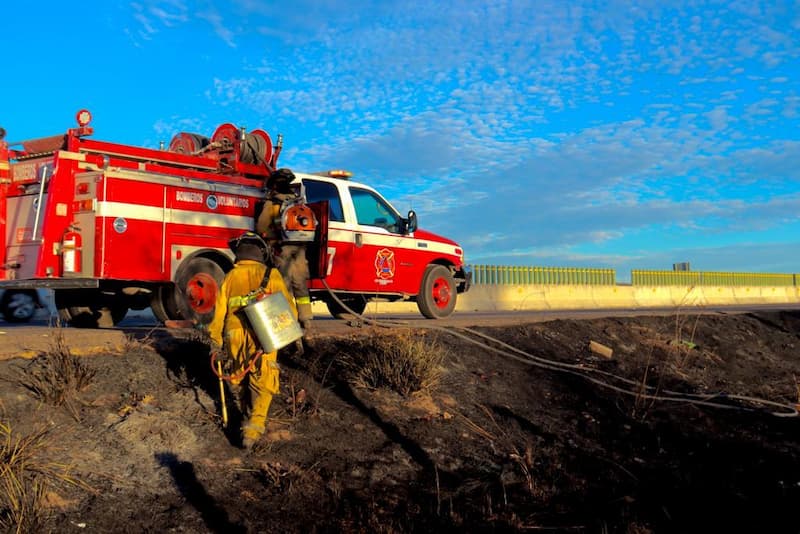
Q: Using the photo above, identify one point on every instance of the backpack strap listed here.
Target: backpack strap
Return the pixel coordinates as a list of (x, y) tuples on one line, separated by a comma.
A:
[(267, 274)]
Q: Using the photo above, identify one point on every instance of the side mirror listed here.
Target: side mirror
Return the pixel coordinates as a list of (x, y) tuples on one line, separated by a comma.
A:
[(411, 222)]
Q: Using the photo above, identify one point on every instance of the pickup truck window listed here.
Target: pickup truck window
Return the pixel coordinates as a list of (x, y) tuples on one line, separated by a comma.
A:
[(316, 191), (372, 210)]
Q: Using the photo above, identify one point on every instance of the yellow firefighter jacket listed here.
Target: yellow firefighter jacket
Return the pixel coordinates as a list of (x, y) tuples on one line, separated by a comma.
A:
[(245, 276)]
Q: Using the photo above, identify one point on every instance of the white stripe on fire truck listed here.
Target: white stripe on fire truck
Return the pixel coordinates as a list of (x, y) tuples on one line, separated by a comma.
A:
[(391, 241), (171, 215)]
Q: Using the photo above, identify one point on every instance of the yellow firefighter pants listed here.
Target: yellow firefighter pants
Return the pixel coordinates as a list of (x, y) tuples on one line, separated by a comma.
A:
[(262, 380)]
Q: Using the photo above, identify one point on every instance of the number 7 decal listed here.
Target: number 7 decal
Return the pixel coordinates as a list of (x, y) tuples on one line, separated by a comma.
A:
[(331, 254)]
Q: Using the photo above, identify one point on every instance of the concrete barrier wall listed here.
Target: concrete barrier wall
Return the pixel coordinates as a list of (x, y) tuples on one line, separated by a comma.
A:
[(552, 297), (483, 298)]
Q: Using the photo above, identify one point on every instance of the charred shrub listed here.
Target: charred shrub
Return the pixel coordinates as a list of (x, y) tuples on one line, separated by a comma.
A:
[(406, 362), (57, 376)]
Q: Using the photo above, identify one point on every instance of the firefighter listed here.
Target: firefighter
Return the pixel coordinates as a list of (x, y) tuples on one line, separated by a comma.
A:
[(290, 258), (234, 341)]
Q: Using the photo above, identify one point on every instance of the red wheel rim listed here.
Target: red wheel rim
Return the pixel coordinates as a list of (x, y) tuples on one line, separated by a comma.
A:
[(441, 292), (201, 293)]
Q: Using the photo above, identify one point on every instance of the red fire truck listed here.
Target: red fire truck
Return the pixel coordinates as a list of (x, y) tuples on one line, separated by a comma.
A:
[(112, 227)]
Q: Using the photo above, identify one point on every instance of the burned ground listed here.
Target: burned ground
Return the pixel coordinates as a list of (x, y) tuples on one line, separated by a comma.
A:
[(539, 433)]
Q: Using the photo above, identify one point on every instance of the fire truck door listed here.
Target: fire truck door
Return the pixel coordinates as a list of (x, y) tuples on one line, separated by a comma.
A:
[(339, 247), (22, 245), (317, 252), (83, 209), (378, 255)]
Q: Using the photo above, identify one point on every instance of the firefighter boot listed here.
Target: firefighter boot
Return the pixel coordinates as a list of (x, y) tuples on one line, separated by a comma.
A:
[(305, 341), (305, 324), (256, 424), (250, 436), (263, 384), (304, 313)]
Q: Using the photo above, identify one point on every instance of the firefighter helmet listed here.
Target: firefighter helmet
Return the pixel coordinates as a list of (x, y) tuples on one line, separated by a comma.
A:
[(250, 246), (280, 176)]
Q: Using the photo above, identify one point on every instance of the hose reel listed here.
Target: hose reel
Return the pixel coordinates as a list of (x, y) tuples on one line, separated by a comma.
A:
[(232, 147), (251, 148), (188, 143)]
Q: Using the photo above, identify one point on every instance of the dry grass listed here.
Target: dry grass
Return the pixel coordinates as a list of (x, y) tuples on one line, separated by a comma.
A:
[(25, 476), (643, 403), (405, 362), (684, 349), (133, 344), (285, 478), (22, 508), (299, 403), (670, 355), (522, 457), (515, 475), (57, 376)]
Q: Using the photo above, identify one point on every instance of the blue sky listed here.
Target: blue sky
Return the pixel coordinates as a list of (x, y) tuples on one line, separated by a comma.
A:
[(629, 135)]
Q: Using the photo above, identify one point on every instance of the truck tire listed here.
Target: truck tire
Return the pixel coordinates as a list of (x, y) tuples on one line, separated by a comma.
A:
[(437, 293), (19, 306), (357, 303), (163, 303), (93, 316), (196, 286), (88, 309)]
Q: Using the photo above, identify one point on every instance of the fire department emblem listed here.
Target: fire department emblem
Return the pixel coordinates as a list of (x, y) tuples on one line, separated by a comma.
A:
[(384, 264)]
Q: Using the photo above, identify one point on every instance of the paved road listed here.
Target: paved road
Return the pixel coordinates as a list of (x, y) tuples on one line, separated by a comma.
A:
[(27, 340)]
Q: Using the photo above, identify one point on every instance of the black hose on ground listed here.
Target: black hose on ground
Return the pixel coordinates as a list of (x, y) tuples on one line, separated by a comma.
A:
[(642, 391)]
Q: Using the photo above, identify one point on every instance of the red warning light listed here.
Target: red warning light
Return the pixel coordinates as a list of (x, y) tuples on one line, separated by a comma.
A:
[(83, 117)]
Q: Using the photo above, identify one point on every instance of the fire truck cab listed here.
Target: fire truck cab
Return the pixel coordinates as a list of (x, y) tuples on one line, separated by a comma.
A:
[(111, 227), (372, 252)]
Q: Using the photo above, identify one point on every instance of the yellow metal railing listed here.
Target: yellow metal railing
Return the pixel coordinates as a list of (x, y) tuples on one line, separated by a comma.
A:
[(516, 275), (521, 275), (710, 278)]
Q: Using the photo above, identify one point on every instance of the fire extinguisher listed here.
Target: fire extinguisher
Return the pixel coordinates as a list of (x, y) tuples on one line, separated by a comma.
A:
[(71, 252)]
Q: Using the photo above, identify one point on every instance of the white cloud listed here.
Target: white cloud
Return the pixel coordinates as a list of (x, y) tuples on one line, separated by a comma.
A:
[(535, 125), (718, 118), (213, 17)]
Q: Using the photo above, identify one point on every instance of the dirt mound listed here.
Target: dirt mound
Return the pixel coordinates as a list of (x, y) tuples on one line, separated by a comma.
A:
[(536, 432)]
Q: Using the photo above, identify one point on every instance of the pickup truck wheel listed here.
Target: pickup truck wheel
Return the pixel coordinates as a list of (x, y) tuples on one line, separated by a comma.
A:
[(19, 306), (196, 286), (437, 293), (357, 303)]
